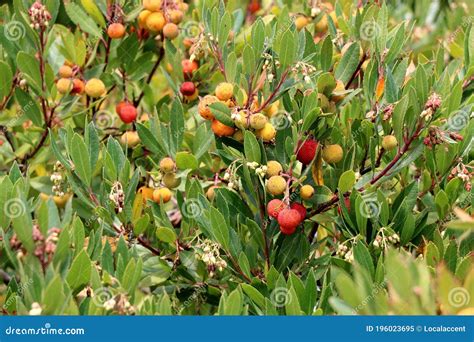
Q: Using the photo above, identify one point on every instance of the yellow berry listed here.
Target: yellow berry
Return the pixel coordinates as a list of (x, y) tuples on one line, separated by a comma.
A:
[(306, 192), (389, 142), (130, 138), (332, 153), (301, 22), (258, 121), (152, 5), (276, 185), (210, 193), (64, 85), (274, 168), (95, 88), (267, 133), (142, 17), (339, 88), (155, 21), (167, 165), (65, 71), (224, 91), (238, 135)]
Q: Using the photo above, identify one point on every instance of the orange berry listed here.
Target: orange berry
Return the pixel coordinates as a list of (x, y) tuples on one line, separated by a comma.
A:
[(155, 22), (203, 108), (170, 31), (220, 129), (65, 71), (116, 31), (162, 194)]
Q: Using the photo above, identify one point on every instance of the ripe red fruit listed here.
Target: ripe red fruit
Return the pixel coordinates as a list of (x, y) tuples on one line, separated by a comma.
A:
[(289, 219), (274, 207), (300, 208), (254, 6), (126, 111), (307, 151), (347, 203), (187, 88), (189, 67)]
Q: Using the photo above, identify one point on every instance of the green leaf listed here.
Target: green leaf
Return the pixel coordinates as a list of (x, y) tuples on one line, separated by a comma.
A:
[(80, 158), (254, 295), (251, 147), (81, 19), (6, 77), (94, 12), (219, 227), (17, 209), (347, 181), (222, 113), (186, 160), (166, 234), (29, 67), (80, 271), (149, 140), (233, 303), (442, 204), (29, 107), (326, 54), (363, 258), (287, 52), (348, 63)]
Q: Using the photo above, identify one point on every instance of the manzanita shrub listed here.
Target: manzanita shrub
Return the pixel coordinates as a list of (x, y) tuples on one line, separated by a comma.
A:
[(234, 158)]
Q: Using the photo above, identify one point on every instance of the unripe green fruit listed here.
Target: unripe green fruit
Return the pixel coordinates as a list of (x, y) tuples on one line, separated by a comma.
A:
[(242, 120), (276, 185), (170, 180), (258, 121), (167, 165), (332, 154), (389, 142), (306, 192), (274, 168)]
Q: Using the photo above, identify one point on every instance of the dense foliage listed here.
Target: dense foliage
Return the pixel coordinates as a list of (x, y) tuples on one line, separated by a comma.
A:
[(240, 157)]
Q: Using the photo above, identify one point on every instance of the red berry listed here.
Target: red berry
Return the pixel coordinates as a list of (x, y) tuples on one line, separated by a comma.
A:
[(347, 203), (289, 219), (126, 111), (254, 6), (187, 88), (300, 208), (274, 207), (307, 151)]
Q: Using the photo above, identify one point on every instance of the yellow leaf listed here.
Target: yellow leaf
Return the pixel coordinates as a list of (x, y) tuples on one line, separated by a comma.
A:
[(317, 170)]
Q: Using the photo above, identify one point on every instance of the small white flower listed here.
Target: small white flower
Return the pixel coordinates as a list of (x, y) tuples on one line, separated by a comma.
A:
[(35, 309), (226, 176), (110, 304)]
